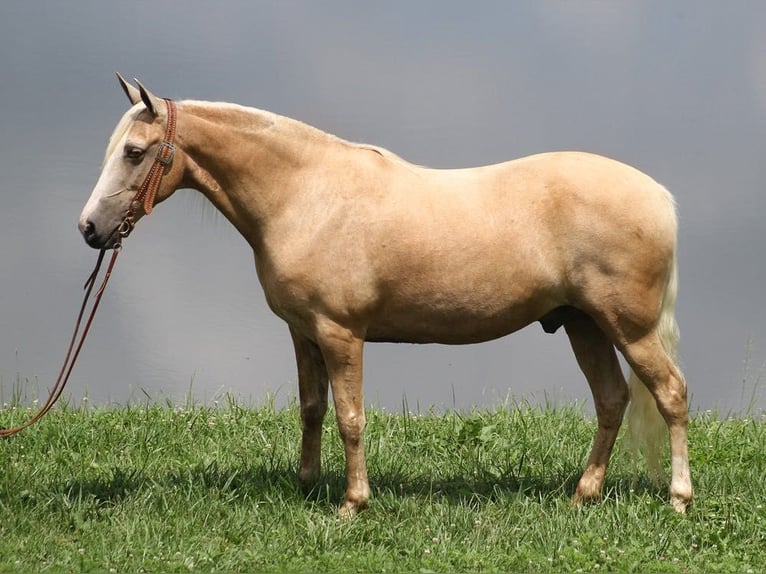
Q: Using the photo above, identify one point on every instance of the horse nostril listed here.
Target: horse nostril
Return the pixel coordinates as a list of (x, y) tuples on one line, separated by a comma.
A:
[(88, 229)]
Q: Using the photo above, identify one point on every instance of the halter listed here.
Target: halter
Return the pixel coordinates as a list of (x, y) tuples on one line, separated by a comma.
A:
[(146, 195), (148, 190)]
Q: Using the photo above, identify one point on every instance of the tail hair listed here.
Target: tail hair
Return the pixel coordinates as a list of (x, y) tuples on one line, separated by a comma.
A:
[(647, 430)]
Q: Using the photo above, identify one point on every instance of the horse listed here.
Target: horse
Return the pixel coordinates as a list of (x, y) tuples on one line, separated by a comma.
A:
[(353, 244)]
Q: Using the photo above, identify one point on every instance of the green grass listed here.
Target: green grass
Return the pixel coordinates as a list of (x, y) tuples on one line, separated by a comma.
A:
[(157, 488)]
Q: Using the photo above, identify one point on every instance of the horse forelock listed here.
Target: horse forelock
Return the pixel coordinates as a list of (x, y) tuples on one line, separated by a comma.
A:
[(121, 129)]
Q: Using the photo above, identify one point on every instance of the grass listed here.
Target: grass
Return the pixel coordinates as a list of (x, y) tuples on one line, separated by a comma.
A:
[(161, 488)]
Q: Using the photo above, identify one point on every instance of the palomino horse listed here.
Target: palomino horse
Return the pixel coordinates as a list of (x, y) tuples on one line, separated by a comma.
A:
[(354, 244)]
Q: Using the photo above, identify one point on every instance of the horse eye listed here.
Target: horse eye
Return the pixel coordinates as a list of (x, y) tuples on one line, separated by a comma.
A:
[(134, 152)]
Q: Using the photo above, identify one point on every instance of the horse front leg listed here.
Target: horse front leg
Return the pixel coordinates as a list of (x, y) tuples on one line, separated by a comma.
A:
[(342, 352), (312, 391)]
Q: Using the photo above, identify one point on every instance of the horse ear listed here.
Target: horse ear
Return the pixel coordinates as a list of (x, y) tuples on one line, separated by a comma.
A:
[(133, 94), (151, 101)]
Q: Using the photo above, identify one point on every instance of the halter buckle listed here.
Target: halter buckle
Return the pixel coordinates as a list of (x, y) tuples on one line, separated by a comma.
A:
[(165, 153)]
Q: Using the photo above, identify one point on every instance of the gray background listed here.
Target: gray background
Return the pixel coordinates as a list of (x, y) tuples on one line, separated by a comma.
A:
[(676, 89)]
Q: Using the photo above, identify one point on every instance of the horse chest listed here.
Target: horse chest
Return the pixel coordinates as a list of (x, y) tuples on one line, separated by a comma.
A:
[(293, 294)]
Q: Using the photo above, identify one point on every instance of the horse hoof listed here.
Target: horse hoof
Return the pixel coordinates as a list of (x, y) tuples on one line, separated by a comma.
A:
[(348, 511), (679, 505), (578, 500), (351, 508)]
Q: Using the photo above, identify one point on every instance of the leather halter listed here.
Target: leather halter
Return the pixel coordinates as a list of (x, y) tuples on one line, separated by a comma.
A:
[(148, 190)]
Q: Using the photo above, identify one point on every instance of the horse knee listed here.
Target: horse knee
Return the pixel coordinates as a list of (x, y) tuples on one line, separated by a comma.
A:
[(351, 427), (313, 412)]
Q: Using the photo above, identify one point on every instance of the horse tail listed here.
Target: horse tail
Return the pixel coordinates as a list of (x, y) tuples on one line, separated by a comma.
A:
[(647, 429)]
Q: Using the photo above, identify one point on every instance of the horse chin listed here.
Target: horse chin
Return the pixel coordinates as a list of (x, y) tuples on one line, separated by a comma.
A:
[(100, 242)]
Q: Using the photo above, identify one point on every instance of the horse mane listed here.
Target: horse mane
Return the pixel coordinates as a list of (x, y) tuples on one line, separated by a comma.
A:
[(124, 124), (386, 153), (272, 118)]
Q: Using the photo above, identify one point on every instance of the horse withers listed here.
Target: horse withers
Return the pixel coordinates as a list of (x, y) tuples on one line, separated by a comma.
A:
[(354, 244)]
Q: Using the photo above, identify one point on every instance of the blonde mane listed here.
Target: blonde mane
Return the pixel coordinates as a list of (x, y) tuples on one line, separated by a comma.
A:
[(124, 124)]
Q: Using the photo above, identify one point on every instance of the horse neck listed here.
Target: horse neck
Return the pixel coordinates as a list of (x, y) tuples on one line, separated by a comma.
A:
[(247, 161)]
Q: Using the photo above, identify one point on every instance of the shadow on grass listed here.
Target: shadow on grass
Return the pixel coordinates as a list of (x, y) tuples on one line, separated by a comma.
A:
[(280, 484), (477, 490)]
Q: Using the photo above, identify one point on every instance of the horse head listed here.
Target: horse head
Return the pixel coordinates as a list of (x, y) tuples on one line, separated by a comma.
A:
[(138, 152)]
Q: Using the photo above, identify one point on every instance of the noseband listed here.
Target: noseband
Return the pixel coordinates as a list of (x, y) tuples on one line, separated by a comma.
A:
[(146, 196), (148, 190)]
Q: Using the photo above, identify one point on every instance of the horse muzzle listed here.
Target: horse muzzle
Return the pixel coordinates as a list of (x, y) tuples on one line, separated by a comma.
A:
[(94, 236)]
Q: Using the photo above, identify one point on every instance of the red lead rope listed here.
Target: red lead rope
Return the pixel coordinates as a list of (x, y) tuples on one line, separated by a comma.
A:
[(146, 195), (75, 345)]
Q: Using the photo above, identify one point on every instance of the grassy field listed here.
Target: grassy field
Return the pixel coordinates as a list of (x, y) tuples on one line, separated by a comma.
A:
[(162, 488)]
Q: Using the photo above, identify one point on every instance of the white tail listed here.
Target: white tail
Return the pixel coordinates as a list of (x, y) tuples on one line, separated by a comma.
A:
[(647, 430)]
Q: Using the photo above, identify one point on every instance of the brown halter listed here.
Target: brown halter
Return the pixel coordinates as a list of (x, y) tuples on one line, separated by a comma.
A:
[(148, 190), (146, 195)]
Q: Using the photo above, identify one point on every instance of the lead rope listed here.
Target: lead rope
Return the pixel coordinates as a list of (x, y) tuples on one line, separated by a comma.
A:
[(75, 344), (146, 195)]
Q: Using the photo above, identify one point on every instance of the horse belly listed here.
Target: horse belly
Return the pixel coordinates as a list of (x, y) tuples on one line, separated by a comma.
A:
[(453, 324), (476, 289)]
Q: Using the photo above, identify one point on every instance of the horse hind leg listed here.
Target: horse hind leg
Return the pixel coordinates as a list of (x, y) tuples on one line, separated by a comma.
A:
[(657, 371), (597, 359)]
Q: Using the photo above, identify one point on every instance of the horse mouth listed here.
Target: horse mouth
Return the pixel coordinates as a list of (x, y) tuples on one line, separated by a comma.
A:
[(97, 240)]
